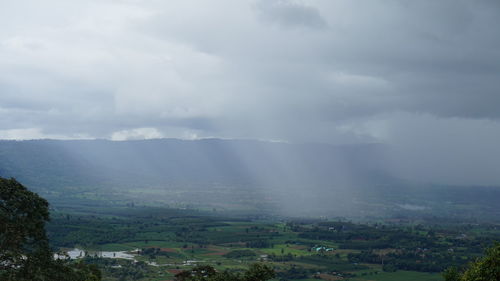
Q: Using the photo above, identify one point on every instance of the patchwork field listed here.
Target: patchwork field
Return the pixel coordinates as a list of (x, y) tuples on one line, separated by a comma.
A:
[(164, 242)]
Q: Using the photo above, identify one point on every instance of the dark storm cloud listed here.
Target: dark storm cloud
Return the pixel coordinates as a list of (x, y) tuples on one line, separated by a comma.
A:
[(300, 71)]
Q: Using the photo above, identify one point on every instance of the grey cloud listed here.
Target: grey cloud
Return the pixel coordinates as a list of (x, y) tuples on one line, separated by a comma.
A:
[(296, 71), (290, 14)]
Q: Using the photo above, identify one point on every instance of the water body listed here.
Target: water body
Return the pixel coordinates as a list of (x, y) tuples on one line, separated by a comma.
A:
[(79, 253), (128, 255)]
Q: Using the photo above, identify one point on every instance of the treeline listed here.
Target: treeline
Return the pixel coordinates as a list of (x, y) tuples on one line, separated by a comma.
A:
[(420, 260), (88, 230)]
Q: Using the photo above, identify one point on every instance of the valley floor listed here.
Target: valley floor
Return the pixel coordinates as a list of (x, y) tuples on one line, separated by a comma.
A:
[(162, 242)]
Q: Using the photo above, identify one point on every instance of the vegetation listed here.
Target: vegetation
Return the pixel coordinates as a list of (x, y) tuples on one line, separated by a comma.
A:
[(171, 240), (256, 272), (484, 269), (168, 244), (240, 254), (24, 248)]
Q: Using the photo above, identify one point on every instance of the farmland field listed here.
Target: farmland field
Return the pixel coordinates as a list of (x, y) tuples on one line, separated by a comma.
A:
[(165, 241)]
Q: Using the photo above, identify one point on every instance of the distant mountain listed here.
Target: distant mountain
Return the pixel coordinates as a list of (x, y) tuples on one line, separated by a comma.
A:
[(233, 174), (54, 163)]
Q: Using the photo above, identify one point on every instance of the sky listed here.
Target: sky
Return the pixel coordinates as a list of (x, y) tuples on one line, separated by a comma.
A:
[(421, 76)]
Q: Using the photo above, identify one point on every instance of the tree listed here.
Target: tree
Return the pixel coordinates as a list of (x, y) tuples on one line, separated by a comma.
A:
[(256, 272), (25, 253), (484, 269), (451, 274)]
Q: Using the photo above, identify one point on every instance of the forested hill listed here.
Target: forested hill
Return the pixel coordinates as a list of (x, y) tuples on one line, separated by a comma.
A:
[(82, 162)]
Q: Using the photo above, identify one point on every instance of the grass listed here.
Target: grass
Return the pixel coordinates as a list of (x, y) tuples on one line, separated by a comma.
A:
[(142, 244), (399, 276), (287, 249)]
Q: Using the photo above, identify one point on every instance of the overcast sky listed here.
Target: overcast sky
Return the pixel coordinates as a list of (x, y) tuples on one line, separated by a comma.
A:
[(423, 75)]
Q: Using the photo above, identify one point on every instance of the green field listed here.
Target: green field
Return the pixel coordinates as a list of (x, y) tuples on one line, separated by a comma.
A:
[(172, 240), (399, 276)]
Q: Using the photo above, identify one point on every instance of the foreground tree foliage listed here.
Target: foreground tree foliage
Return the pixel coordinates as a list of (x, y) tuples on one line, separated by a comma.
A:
[(256, 272), (25, 253), (484, 269)]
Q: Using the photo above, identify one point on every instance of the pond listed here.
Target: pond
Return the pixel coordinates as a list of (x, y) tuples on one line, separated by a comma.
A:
[(79, 253)]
